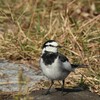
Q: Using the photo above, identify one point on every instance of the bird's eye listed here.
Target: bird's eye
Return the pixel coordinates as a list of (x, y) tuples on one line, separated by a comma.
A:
[(51, 45)]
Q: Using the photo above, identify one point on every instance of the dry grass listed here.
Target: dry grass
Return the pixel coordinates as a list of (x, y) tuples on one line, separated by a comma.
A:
[(26, 24)]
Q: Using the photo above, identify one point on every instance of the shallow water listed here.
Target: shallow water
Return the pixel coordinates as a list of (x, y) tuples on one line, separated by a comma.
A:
[(10, 73)]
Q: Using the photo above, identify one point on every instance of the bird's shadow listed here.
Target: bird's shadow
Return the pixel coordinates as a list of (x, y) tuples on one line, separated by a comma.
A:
[(69, 89), (73, 89)]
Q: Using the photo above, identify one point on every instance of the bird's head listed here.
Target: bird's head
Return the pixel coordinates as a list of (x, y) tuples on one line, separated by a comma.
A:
[(50, 46)]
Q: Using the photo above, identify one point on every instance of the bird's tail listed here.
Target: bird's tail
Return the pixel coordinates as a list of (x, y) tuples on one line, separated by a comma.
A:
[(79, 66)]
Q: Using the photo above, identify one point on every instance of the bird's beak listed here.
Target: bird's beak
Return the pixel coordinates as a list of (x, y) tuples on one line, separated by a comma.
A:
[(59, 46)]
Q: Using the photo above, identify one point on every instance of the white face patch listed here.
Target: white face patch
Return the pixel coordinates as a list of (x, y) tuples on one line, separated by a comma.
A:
[(51, 46), (49, 49), (55, 44)]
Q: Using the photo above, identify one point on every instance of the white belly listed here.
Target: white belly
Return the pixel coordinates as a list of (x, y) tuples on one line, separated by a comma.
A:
[(54, 71)]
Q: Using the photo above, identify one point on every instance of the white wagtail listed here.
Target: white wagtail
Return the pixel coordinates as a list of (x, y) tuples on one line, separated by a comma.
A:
[(54, 65)]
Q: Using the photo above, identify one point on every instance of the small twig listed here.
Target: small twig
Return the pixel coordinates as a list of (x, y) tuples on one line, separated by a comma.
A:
[(90, 21), (89, 79), (12, 82)]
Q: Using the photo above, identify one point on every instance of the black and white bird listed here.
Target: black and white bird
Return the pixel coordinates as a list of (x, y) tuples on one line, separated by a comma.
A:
[(55, 65)]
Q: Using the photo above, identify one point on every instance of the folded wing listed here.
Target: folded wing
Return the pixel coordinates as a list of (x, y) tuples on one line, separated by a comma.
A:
[(65, 63)]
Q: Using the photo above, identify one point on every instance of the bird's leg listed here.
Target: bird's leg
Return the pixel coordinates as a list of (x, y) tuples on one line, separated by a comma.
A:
[(48, 91), (63, 82)]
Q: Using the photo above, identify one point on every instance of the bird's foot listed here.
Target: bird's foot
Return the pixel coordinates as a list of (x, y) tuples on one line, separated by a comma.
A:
[(46, 93), (62, 91)]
